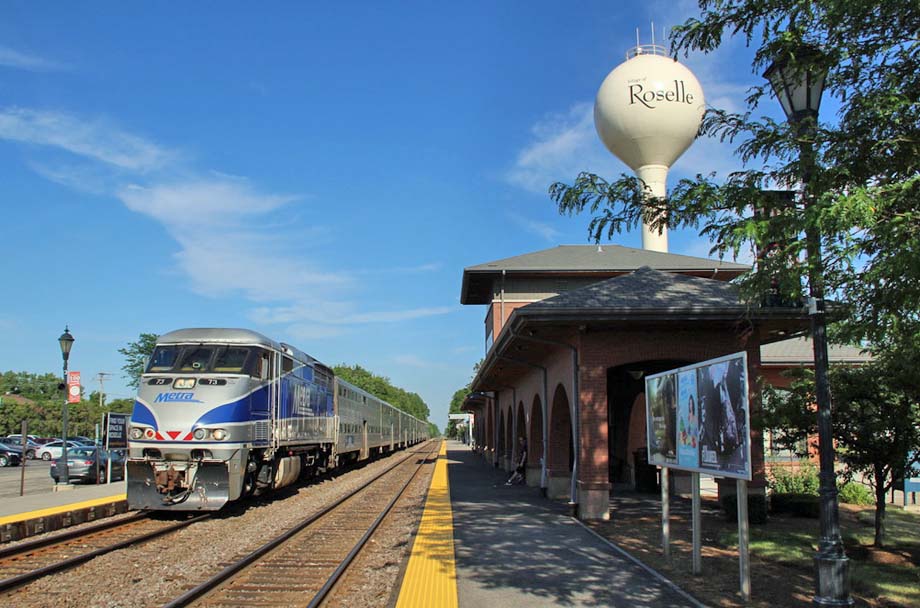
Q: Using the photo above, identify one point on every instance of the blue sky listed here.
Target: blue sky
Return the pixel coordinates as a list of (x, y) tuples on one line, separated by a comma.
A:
[(318, 172)]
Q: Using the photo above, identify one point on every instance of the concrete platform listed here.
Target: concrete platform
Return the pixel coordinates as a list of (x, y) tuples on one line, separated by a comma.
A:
[(24, 516), (512, 547)]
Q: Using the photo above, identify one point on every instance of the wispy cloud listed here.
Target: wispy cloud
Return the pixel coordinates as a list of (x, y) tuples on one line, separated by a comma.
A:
[(11, 58), (233, 237), (541, 229), (562, 145), (97, 139)]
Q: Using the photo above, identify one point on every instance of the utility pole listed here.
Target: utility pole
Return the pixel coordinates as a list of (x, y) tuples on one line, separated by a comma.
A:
[(100, 378)]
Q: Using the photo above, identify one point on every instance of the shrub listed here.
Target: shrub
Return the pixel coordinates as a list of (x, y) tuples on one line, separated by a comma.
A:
[(757, 508), (802, 505), (801, 480), (855, 494)]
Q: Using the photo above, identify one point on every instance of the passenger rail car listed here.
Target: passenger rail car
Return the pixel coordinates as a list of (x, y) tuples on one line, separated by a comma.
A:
[(225, 413)]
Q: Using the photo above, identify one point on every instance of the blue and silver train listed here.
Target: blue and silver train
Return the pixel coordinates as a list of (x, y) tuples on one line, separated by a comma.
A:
[(222, 414)]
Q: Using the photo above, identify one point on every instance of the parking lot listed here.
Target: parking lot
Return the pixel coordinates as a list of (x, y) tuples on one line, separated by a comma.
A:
[(38, 479)]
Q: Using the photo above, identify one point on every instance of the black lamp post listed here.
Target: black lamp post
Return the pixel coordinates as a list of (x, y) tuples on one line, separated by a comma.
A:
[(66, 342), (798, 84)]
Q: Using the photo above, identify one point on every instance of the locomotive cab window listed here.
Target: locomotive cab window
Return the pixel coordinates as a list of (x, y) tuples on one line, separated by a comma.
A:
[(232, 360), (163, 359), (196, 359)]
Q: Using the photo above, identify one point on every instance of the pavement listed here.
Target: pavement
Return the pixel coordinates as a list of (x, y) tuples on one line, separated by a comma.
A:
[(514, 547)]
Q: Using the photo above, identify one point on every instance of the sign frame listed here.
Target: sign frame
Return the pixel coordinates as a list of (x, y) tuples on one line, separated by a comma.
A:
[(656, 458)]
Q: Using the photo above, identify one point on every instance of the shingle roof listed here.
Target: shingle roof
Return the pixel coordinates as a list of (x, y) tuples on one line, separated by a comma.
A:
[(801, 350), (645, 289), (603, 257), (581, 259)]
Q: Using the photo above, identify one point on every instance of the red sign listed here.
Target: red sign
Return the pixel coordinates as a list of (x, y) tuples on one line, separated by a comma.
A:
[(73, 387)]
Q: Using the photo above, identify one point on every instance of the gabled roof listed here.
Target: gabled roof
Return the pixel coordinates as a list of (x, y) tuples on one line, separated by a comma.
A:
[(603, 260), (645, 289)]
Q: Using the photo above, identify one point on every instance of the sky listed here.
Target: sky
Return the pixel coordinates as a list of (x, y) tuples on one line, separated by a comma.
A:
[(319, 172)]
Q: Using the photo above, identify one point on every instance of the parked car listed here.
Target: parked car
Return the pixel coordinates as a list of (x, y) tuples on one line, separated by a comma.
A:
[(84, 462), (53, 449), (32, 446), (9, 456)]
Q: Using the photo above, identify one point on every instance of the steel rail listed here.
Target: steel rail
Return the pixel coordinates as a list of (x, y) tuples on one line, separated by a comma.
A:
[(27, 577), (343, 567), (209, 585), (31, 545)]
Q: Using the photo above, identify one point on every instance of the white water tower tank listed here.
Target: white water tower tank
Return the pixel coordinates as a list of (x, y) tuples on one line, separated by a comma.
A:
[(648, 112)]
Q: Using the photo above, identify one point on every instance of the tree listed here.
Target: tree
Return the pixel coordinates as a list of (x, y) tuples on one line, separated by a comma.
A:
[(136, 355), (864, 170), (876, 421)]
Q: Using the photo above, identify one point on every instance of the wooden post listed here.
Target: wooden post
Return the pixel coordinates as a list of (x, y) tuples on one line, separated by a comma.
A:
[(665, 516), (696, 523), (743, 539)]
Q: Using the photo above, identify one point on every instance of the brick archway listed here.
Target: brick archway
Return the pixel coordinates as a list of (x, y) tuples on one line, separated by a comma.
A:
[(535, 442), (520, 430), (561, 457)]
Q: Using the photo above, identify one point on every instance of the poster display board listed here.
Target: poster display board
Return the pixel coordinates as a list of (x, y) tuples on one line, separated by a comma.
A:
[(697, 418), (116, 431)]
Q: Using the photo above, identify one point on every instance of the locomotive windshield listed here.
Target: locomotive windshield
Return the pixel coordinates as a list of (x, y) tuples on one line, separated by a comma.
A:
[(204, 358)]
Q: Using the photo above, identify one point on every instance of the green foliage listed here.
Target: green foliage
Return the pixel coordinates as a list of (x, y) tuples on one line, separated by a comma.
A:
[(876, 421), (136, 355), (757, 508), (382, 388), (35, 398), (855, 494), (854, 230), (801, 480), (801, 505)]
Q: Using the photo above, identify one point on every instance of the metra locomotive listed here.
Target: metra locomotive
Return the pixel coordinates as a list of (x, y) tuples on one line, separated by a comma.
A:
[(225, 413)]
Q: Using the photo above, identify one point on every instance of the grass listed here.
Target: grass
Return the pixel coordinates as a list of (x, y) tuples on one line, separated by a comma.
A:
[(781, 550)]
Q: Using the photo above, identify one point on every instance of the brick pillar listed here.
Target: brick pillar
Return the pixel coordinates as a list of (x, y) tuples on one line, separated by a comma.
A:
[(593, 477)]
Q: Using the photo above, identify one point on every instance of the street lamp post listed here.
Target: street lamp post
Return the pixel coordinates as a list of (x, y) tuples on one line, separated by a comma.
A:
[(799, 88), (66, 342)]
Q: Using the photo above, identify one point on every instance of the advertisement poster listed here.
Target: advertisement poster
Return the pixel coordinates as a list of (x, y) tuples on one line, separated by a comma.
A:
[(697, 417), (661, 403), (688, 451)]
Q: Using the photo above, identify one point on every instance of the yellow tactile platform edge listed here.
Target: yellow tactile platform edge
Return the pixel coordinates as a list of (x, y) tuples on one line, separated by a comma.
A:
[(430, 579), (27, 515)]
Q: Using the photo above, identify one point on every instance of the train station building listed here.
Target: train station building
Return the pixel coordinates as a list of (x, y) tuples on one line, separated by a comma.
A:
[(570, 334)]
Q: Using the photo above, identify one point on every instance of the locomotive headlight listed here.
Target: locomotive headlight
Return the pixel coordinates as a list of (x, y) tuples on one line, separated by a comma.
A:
[(184, 383), (219, 434), (200, 434), (136, 432)]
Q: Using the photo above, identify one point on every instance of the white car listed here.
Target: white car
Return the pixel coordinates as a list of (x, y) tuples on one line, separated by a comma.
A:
[(55, 449)]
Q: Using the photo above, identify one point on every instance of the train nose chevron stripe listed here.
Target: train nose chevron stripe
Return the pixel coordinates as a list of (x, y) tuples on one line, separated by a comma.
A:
[(173, 434)]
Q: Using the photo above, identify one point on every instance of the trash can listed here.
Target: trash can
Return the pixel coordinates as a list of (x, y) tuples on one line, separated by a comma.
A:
[(646, 474)]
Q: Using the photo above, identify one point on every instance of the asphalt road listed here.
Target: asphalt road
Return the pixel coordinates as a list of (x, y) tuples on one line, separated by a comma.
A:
[(38, 479)]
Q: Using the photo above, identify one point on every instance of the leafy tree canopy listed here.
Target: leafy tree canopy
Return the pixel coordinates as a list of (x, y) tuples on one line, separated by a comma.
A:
[(863, 165), (136, 354), (876, 423)]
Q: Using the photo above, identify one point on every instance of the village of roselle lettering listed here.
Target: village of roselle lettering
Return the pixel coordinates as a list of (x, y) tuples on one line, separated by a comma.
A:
[(650, 97)]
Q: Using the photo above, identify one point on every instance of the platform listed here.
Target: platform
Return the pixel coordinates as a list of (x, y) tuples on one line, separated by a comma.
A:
[(23, 516), (512, 547)]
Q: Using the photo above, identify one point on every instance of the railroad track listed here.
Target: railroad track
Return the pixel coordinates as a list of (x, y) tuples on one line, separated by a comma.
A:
[(27, 562), (309, 559)]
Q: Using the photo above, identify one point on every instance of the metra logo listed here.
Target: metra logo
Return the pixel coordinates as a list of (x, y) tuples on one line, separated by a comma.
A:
[(184, 397)]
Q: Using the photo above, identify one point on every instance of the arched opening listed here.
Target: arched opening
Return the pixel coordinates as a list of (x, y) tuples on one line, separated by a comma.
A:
[(561, 457), (626, 421), (509, 438), (535, 442), (519, 431), (500, 448)]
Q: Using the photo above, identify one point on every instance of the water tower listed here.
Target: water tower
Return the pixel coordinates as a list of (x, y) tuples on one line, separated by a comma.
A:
[(648, 111)]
